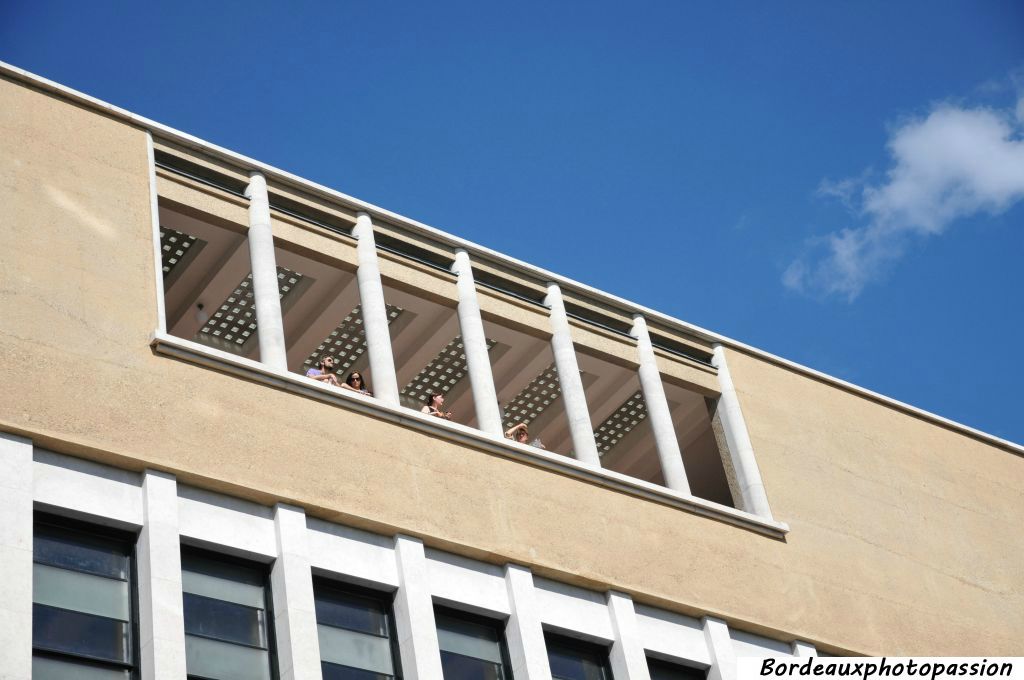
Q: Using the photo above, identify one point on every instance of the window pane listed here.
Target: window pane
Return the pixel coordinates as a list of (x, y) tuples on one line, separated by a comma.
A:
[(573, 667), (225, 661), (80, 592), (75, 633), (663, 670), (79, 553), (45, 668), (334, 672), (224, 603), (576, 661), (358, 650), (350, 611), (221, 586), (468, 639), (459, 667), (224, 620)]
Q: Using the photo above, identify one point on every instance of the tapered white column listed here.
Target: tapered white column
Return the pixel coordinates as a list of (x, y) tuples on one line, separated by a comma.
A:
[(161, 616), (266, 294), (741, 451), (291, 583), (15, 557), (627, 657), (474, 342), (375, 314), (723, 656), (575, 399), (524, 635), (665, 440), (414, 613)]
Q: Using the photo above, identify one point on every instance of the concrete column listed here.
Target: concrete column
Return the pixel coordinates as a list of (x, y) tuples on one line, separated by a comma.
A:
[(627, 657), (803, 649), (741, 451), (478, 361), (266, 294), (665, 440), (575, 399), (375, 314), (291, 583), (524, 635), (161, 617), (723, 656), (16, 557), (414, 613)]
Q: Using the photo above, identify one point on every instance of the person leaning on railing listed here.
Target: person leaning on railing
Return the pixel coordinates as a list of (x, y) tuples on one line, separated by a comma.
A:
[(354, 382), (521, 433), (518, 433), (434, 402), (323, 371)]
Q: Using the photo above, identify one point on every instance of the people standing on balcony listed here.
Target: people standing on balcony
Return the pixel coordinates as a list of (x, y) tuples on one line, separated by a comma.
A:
[(354, 382), (324, 371), (521, 433), (435, 401), (518, 433)]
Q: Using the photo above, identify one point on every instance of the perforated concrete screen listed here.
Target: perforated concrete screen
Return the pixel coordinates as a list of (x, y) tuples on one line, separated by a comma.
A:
[(234, 322), (174, 246), (534, 399), (347, 342), (620, 423), (439, 376)]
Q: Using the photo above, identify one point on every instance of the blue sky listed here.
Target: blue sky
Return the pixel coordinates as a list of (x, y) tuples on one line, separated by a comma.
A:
[(841, 184)]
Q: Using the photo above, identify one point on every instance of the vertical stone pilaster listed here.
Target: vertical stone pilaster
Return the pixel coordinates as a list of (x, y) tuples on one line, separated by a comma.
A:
[(524, 635), (161, 616), (723, 656), (298, 646), (414, 613), (627, 657), (803, 649), (16, 521)]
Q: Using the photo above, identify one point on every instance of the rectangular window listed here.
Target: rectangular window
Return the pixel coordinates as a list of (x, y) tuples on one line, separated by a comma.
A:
[(227, 618), (665, 670), (571, 659), (83, 601), (472, 647), (356, 632)]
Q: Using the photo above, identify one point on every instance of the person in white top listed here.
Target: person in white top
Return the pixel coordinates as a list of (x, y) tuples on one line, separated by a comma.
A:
[(435, 401)]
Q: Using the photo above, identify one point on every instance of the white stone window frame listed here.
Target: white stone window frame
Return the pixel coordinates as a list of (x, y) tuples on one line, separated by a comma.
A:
[(167, 514)]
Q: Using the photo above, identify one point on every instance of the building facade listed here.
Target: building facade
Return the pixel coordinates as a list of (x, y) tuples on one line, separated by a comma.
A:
[(184, 497)]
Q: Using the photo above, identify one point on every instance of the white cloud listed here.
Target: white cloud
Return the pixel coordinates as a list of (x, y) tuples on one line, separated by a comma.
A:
[(954, 163), (843, 190)]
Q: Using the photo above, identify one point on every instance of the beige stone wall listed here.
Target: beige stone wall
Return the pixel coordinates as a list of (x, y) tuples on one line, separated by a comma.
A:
[(905, 536)]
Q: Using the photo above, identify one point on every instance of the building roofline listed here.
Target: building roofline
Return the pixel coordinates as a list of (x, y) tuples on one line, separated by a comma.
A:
[(533, 271)]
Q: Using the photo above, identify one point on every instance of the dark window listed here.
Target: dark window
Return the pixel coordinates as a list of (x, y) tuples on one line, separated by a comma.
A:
[(83, 601), (227, 629), (472, 647), (227, 621), (664, 670), (571, 659), (355, 628)]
